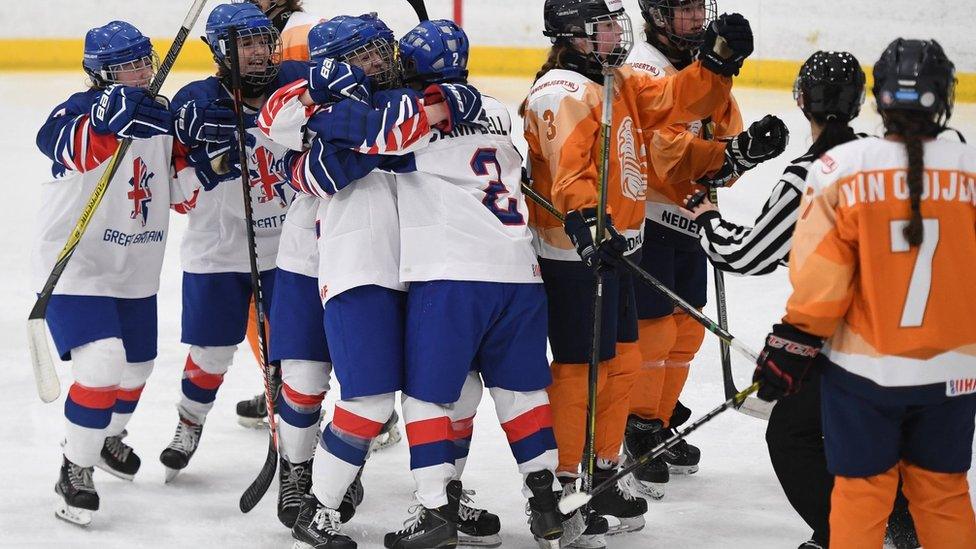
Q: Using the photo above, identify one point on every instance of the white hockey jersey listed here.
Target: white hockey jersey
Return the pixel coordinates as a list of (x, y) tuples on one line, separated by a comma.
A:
[(121, 252), (462, 213)]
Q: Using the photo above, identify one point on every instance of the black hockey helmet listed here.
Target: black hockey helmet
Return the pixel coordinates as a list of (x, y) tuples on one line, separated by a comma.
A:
[(915, 75), (830, 85), (660, 14), (568, 19)]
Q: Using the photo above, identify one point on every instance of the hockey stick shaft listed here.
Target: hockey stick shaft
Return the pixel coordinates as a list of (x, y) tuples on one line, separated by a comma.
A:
[(260, 485), (574, 501), (419, 7), (48, 387), (601, 231)]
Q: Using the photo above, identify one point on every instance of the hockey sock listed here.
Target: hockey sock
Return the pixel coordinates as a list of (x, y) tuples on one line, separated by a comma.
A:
[(134, 376), (690, 335), (941, 507), (526, 418), (344, 445), (657, 336), (432, 450), (97, 370), (859, 509), (613, 401), (304, 384), (462, 419), (202, 376), (568, 396)]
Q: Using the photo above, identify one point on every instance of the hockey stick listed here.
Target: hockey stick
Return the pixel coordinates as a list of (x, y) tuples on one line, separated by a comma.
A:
[(750, 406), (260, 485), (571, 502), (46, 377), (421, 9), (601, 231)]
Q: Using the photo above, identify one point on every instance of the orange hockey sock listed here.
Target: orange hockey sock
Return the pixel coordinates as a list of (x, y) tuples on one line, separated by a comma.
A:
[(859, 509), (657, 336), (941, 507), (567, 399), (613, 401), (690, 335)]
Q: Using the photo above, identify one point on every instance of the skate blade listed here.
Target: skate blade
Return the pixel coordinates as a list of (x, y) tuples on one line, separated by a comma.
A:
[(301, 545), (682, 469), (625, 525), (589, 541), (573, 528), (170, 474), (547, 543), (74, 515), (492, 540), (117, 474), (387, 440), (253, 422)]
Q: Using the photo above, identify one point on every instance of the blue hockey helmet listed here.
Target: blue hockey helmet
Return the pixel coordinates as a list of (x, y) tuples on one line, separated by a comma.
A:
[(363, 40), (434, 51), (114, 49), (254, 29)]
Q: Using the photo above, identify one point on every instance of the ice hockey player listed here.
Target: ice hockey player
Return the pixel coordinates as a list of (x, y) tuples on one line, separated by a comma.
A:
[(216, 277), (678, 157), (475, 301), (102, 315), (562, 125), (358, 270), (880, 266), (829, 90)]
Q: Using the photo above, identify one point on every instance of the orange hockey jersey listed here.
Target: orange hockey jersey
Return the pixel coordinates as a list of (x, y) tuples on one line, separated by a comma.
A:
[(679, 154), (562, 128), (294, 37), (897, 315)]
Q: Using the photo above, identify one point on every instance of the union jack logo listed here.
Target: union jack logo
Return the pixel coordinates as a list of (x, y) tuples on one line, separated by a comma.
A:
[(268, 176), (141, 194)]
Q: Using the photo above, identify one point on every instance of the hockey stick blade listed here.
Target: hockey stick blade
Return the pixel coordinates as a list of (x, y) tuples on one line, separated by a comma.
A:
[(260, 486), (46, 377), (421, 9)]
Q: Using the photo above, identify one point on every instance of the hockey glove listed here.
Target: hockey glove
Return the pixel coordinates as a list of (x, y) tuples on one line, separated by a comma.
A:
[(330, 81), (580, 225), (784, 361), (206, 121), (128, 111), (215, 163), (728, 41), (764, 140), (463, 105)]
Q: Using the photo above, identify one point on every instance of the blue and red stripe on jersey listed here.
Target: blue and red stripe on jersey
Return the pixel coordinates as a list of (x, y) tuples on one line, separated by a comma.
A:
[(80, 149), (198, 385), (298, 409), (431, 442), (530, 433), (127, 399), (348, 436)]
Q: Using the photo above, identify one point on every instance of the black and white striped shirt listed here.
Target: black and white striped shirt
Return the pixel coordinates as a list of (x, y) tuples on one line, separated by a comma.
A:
[(766, 245)]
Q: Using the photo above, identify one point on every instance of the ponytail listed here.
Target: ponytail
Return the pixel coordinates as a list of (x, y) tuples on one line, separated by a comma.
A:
[(913, 128), (835, 132), (552, 62)]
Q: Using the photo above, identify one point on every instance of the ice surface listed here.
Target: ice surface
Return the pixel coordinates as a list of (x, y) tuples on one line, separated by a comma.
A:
[(734, 501)]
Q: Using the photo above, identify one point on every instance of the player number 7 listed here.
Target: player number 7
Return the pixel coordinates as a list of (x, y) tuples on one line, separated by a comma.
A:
[(921, 282)]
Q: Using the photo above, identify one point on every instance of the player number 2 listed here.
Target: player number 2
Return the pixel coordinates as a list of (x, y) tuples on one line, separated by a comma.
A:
[(485, 163), (921, 282)]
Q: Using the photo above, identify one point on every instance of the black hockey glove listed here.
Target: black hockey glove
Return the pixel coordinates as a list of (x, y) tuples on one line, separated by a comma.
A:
[(728, 41), (764, 140), (580, 225), (784, 361)]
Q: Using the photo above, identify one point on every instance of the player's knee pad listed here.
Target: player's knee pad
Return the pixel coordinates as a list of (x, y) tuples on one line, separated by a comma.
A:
[(99, 364), (690, 335), (213, 360), (135, 374), (467, 403), (306, 377), (374, 408), (657, 337)]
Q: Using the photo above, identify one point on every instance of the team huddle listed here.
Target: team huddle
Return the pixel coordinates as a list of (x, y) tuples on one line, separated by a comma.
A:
[(388, 238)]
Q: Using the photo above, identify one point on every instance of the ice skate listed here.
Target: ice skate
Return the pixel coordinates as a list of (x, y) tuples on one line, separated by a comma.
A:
[(545, 521), (77, 498), (318, 527), (618, 503), (389, 435), (118, 459), (429, 528), (177, 455), (352, 498), (639, 438), (476, 527), (294, 482)]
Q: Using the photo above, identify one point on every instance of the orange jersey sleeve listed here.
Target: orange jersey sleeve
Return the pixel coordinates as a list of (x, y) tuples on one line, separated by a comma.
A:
[(896, 314)]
